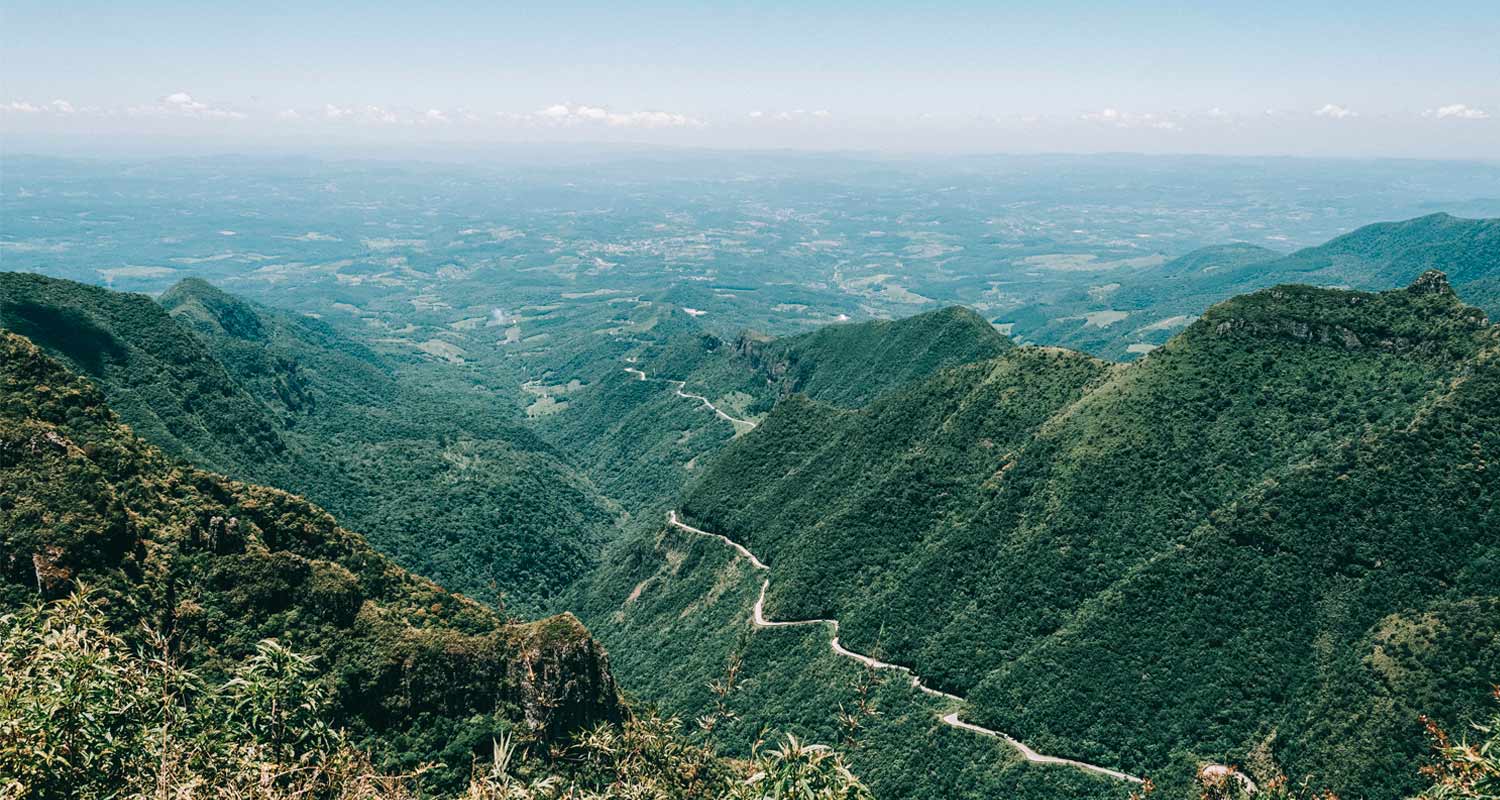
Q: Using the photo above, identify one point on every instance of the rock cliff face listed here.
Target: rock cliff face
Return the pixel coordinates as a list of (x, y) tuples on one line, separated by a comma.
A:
[(1431, 282), (219, 565), (561, 675)]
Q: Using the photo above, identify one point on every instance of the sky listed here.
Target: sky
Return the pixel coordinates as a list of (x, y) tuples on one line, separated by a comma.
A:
[(1370, 78)]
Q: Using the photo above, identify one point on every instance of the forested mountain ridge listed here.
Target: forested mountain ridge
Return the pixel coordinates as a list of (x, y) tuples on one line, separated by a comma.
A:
[(1392, 253), (850, 364), (1008, 557), (441, 479), (418, 673), (291, 362), (1145, 307), (642, 444), (435, 477), (165, 382)]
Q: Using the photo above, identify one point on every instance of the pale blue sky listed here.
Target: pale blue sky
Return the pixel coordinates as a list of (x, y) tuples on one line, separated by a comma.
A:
[(1365, 78)]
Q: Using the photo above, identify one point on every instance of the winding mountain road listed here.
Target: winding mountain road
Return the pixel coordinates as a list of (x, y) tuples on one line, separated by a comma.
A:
[(740, 425), (759, 620)]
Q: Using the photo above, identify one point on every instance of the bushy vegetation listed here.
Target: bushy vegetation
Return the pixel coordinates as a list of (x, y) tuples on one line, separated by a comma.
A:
[(87, 714), (1467, 767)]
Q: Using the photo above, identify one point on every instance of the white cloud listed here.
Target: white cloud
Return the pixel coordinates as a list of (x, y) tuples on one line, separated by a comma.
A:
[(288, 115), (1126, 119), (54, 107), (182, 104), (794, 115), (652, 119), (1332, 111), (1457, 111), (563, 115), (435, 116), (375, 115), (381, 115)]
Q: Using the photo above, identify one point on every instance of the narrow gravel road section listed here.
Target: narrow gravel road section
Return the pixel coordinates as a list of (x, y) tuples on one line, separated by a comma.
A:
[(680, 389), (758, 618)]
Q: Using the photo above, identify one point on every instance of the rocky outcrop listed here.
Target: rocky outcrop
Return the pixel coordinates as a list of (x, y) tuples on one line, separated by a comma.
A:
[(1307, 331), (1424, 317), (765, 357), (560, 677), (1431, 282)]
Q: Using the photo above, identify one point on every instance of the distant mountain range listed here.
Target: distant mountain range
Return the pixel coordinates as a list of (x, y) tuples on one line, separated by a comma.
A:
[(1129, 312)]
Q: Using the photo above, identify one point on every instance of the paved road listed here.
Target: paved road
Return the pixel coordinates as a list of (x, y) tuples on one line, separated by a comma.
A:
[(759, 619)]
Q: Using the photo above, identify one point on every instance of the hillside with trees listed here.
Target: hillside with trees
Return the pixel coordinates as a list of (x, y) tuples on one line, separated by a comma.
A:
[(1155, 303), (169, 632), (432, 475), (1265, 544), (217, 566), (642, 444)]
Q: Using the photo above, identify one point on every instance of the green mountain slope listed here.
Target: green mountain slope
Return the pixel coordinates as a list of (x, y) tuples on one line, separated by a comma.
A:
[(852, 364), (295, 364), (443, 481), (418, 673), (1152, 304), (1036, 531), (165, 383), (1395, 253), (675, 610), (1330, 606), (641, 442)]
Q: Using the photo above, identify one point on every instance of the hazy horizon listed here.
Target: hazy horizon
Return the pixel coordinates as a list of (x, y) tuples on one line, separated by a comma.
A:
[(1381, 80)]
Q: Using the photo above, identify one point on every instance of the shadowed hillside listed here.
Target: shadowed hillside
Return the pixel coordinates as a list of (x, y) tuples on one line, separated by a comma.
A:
[(444, 482)]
